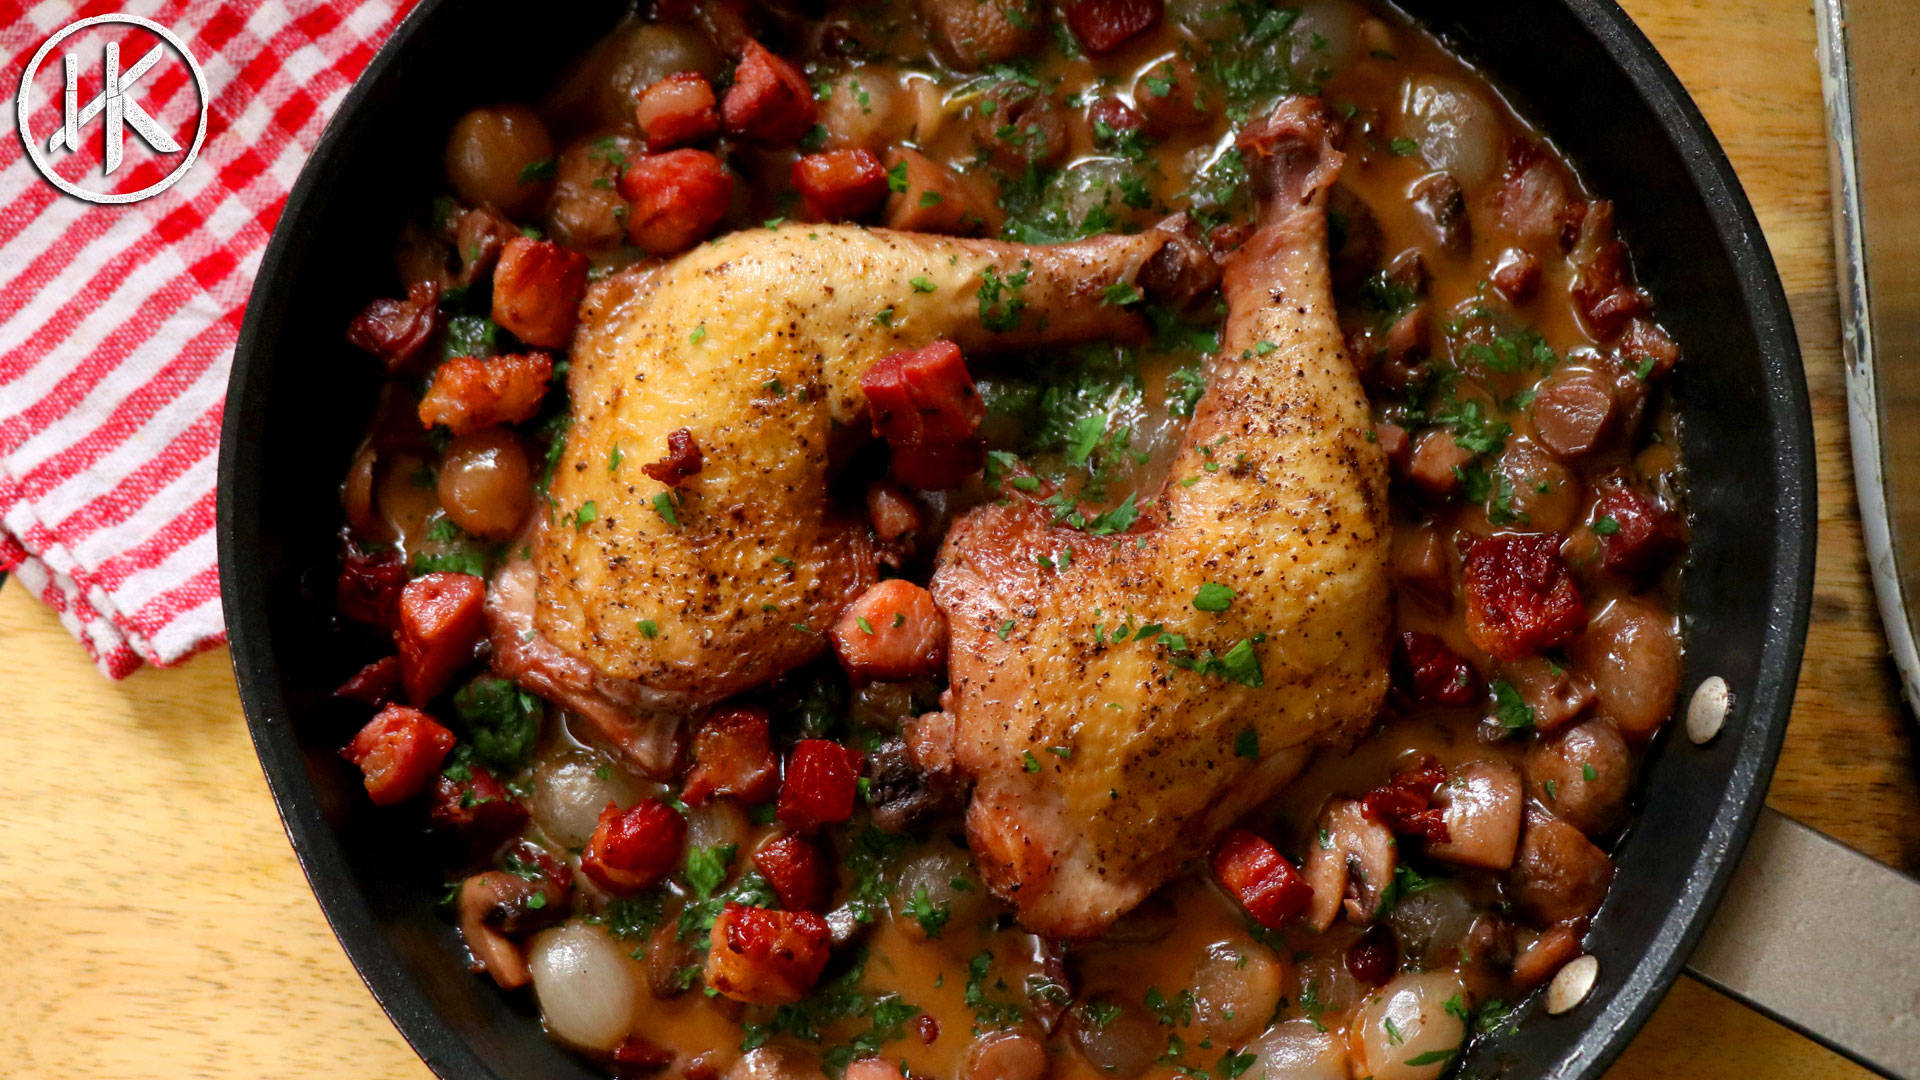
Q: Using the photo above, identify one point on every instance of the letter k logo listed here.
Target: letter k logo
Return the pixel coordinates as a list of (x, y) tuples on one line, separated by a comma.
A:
[(121, 109)]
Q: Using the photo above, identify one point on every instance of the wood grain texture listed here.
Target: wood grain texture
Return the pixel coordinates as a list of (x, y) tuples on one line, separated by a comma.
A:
[(1849, 767), (159, 927)]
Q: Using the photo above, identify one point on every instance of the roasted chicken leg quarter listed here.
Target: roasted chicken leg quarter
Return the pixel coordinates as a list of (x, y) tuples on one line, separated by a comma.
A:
[(1118, 711), (657, 592)]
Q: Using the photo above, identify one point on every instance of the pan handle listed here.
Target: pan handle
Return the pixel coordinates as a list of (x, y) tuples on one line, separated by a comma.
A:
[(1824, 940)]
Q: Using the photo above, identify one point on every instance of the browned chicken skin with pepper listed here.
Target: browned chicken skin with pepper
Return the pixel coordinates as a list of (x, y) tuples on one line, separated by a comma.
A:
[(654, 600), (1106, 755)]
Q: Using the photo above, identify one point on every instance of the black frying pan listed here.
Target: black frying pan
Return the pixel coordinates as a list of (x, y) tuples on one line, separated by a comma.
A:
[(300, 397)]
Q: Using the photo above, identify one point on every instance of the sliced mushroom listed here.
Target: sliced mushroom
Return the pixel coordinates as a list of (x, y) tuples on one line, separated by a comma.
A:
[(484, 903), (1350, 861)]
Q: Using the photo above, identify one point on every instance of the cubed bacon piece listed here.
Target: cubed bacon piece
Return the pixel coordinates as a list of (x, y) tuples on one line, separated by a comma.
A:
[(677, 198), (893, 631), (374, 684), (797, 870), (1601, 288), (923, 395), (840, 185), (766, 957), (1516, 275), (442, 617), (476, 806), (640, 1054), (1638, 536), (822, 780), (1521, 598), (397, 330), (1433, 673), (537, 287), (935, 466), (1395, 443), (770, 101), (1648, 351), (677, 110), (733, 756), (369, 587), (682, 460), (633, 848), (926, 196), (470, 393), (1404, 803), (894, 513), (1254, 873), (1104, 25), (398, 752), (1436, 464), (1535, 201)]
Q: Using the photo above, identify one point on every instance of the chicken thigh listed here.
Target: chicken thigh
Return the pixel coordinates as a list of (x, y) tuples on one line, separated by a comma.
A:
[(1119, 709), (651, 599)]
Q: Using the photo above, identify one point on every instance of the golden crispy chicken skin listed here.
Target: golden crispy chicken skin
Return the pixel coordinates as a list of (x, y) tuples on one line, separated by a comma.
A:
[(661, 597), (1101, 766)]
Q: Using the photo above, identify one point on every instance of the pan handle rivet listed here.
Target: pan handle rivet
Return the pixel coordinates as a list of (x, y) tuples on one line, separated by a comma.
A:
[(1572, 983), (1707, 712)]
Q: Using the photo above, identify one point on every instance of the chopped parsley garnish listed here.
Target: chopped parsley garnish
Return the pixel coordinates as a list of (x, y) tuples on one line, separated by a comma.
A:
[(1605, 526), (500, 720), (1509, 707), (1406, 882), (1212, 596), (1184, 387), (1247, 744), (932, 917), (663, 505), (989, 1012), (535, 171), (1000, 301), (1240, 664), (633, 917), (1171, 1012), (587, 514)]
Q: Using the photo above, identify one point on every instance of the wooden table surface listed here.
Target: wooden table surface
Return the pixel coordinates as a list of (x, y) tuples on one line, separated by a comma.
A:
[(157, 925)]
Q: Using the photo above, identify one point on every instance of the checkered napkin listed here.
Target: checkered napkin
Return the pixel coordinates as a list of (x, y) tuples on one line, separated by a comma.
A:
[(117, 322)]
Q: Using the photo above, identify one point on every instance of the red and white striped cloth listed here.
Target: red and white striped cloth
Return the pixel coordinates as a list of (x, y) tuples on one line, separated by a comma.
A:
[(117, 323)]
